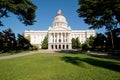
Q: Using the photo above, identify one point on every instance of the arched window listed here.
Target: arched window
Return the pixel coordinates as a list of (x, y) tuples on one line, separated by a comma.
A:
[(55, 46), (66, 46), (52, 46), (59, 46), (63, 46)]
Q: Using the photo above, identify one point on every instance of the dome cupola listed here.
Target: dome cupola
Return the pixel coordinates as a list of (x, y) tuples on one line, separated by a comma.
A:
[(60, 20)]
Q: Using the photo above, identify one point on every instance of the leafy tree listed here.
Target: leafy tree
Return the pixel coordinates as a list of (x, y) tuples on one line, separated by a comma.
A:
[(45, 43), (24, 9), (73, 43), (77, 43), (100, 13), (90, 42), (100, 41), (85, 46)]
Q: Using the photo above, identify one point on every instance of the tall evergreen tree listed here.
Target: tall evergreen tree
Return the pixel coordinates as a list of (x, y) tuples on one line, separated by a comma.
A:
[(23, 43), (45, 43), (77, 43), (9, 41), (100, 13)]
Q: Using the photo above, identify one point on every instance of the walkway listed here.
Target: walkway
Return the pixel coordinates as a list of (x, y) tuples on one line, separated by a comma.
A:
[(25, 54)]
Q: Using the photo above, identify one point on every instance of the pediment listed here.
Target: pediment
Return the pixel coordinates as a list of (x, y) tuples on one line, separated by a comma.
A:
[(60, 28)]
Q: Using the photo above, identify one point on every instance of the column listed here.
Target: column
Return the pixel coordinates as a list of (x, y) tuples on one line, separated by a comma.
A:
[(62, 37), (53, 47), (57, 46), (53, 37), (57, 37), (49, 47), (65, 38), (70, 46), (61, 46), (65, 46), (49, 38), (68, 37)]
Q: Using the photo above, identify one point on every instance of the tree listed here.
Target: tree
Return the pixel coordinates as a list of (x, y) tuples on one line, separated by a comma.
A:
[(85, 46), (100, 41), (9, 41), (90, 41), (77, 43), (23, 43), (116, 37), (73, 43), (100, 13), (45, 43), (24, 9), (1, 41)]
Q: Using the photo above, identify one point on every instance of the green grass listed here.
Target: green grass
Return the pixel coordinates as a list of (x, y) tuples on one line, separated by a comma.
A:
[(59, 66)]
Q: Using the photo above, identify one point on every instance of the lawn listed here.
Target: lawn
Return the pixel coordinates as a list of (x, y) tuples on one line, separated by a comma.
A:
[(12, 52), (59, 66)]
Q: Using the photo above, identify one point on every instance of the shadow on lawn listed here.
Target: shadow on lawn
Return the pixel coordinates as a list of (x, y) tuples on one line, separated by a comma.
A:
[(95, 62)]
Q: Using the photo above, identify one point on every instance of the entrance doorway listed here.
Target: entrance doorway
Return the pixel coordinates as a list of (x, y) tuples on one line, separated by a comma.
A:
[(59, 46)]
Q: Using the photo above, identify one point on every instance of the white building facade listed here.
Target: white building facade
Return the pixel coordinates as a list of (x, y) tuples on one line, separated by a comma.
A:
[(59, 34)]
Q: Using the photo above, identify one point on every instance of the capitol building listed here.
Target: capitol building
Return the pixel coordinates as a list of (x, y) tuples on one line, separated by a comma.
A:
[(59, 34)]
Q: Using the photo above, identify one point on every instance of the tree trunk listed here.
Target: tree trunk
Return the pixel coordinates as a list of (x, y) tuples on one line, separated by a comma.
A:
[(112, 41)]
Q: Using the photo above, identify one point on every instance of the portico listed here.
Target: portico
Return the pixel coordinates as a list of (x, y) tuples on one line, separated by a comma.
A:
[(59, 40)]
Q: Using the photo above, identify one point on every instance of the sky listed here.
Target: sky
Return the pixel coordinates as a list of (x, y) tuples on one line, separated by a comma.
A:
[(45, 13)]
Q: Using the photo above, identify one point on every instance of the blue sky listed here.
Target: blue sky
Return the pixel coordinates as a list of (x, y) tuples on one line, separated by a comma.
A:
[(45, 13)]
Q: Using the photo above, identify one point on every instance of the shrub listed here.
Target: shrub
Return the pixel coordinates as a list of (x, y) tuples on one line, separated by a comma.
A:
[(33, 47), (85, 47)]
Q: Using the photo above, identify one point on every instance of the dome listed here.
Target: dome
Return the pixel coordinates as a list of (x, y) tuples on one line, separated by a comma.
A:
[(59, 20)]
